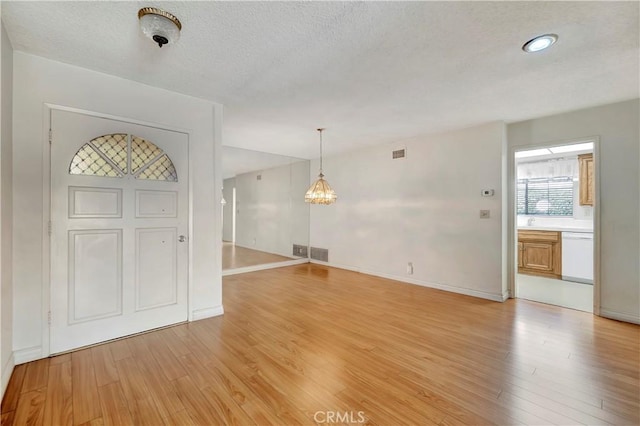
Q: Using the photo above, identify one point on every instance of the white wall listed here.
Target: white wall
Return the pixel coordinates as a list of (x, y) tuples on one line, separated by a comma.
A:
[(422, 209), (617, 126), (6, 213), (227, 209), (271, 212), (38, 81)]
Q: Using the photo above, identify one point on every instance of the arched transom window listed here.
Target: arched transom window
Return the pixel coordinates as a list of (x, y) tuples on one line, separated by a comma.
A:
[(119, 154)]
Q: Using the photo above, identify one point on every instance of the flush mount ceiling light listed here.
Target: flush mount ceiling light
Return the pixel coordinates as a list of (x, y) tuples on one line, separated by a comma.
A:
[(320, 192), (532, 153), (587, 146), (160, 26), (539, 43), (563, 149)]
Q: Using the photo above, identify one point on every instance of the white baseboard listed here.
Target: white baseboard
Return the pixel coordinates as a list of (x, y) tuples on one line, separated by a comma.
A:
[(278, 253), (199, 314), (337, 265), (499, 297), (7, 369), (264, 266), (620, 316), (28, 354)]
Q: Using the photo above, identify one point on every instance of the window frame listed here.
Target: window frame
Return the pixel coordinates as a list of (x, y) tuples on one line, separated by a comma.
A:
[(527, 210)]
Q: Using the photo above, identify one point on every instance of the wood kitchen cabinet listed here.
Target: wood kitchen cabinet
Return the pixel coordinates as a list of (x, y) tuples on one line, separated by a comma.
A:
[(587, 184), (540, 253)]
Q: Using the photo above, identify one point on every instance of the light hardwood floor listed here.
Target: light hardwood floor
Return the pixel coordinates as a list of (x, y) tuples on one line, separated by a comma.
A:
[(240, 257), (302, 340)]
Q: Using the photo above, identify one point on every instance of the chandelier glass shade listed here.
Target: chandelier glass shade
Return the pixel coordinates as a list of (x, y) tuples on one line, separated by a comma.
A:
[(160, 26), (320, 192)]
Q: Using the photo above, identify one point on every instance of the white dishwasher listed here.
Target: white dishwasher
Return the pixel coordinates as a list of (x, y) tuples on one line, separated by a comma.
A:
[(577, 257)]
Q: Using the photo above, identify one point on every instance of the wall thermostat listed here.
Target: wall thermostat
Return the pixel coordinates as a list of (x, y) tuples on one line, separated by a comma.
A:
[(488, 192)]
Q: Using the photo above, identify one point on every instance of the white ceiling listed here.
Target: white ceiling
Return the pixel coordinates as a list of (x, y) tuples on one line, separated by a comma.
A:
[(371, 72)]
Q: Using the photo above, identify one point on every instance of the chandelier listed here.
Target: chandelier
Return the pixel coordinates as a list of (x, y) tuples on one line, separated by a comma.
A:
[(320, 192)]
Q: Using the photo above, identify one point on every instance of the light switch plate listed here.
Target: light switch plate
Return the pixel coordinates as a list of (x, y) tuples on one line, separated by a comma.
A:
[(485, 214)]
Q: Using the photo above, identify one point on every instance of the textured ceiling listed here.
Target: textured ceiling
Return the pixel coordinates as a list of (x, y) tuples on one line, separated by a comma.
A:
[(371, 72)]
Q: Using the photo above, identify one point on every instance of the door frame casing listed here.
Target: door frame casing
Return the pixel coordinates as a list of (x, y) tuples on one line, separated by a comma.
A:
[(512, 226), (46, 208)]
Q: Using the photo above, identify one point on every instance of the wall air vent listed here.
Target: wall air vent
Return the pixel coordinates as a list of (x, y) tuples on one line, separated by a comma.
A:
[(320, 254), (259, 177), (399, 153), (300, 250)]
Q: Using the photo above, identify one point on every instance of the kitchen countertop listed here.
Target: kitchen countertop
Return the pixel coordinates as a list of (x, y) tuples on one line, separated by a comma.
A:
[(554, 228)]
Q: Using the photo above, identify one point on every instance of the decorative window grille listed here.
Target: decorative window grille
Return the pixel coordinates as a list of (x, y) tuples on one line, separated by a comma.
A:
[(118, 154)]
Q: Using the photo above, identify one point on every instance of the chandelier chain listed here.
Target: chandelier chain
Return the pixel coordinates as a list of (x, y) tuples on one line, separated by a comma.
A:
[(320, 130)]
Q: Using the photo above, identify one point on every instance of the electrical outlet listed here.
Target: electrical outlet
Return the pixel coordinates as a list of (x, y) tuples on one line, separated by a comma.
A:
[(485, 214), (410, 268)]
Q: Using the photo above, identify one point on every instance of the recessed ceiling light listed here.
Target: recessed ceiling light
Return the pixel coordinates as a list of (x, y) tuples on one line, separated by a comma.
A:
[(540, 43)]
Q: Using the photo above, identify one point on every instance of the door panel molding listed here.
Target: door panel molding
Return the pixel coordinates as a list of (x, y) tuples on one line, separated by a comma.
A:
[(82, 197), (155, 203), (162, 271), (98, 290)]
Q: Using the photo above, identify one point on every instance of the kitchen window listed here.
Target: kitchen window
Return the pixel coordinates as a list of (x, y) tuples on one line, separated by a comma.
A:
[(551, 196)]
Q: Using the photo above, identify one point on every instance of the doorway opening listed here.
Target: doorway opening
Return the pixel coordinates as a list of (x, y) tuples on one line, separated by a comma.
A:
[(555, 198)]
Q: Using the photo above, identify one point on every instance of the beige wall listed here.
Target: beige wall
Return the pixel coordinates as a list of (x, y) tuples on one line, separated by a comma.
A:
[(423, 209), (617, 126), (6, 214)]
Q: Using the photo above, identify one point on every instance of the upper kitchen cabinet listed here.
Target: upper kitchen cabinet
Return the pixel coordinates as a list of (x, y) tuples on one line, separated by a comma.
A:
[(587, 185)]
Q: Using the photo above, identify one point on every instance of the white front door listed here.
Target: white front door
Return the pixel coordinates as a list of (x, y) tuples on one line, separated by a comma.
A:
[(119, 221)]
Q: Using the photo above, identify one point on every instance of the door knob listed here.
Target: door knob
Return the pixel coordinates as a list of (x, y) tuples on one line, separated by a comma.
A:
[(182, 238)]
